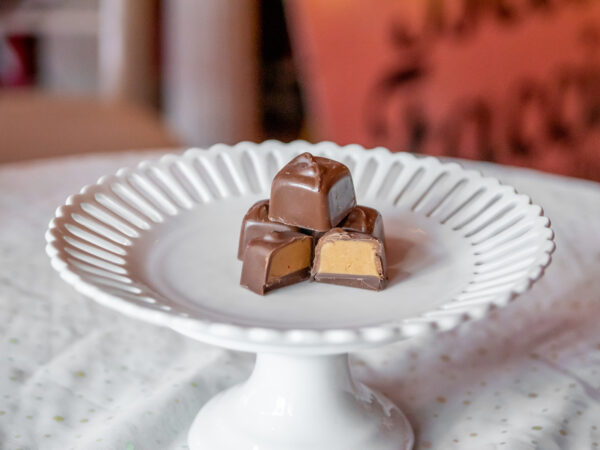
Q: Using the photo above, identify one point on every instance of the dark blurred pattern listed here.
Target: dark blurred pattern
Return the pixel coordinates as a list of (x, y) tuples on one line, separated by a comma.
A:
[(511, 82)]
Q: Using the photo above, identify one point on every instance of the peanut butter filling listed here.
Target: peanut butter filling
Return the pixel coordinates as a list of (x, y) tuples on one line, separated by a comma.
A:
[(350, 258), (290, 259)]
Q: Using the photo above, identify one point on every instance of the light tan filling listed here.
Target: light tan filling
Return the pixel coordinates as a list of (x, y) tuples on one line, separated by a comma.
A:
[(349, 258), (290, 259)]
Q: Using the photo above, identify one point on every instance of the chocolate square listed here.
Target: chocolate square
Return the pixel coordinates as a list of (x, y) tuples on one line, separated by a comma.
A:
[(256, 223), (364, 220), (350, 258), (277, 259), (312, 192)]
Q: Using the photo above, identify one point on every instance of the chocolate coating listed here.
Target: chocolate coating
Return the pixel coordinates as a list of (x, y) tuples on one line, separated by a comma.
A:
[(362, 282), (256, 223), (376, 279), (364, 220), (316, 235), (257, 270), (312, 192)]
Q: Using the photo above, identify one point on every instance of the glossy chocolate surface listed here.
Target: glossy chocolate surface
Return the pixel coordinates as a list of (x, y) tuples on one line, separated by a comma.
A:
[(259, 255), (312, 192), (316, 235), (256, 223), (364, 281), (364, 220), (361, 282)]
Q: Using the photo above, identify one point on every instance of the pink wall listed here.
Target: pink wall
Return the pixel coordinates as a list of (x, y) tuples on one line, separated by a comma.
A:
[(513, 81)]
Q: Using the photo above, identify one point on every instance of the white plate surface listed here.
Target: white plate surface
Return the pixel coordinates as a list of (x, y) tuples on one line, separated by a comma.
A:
[(159, 242)]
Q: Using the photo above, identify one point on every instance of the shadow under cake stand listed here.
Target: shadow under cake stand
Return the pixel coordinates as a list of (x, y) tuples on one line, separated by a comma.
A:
[(158, 242)]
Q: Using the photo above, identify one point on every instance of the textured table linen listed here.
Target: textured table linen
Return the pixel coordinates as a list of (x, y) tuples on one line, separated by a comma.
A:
[(76, 375)]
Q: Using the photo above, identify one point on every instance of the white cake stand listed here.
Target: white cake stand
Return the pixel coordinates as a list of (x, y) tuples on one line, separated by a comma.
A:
[(159, 243)]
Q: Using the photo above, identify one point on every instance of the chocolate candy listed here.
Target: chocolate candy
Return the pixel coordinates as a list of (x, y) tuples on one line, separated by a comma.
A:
[(316, 235), (312, 192), (256, 223), (277, 259), (364, 220), (350, 258)]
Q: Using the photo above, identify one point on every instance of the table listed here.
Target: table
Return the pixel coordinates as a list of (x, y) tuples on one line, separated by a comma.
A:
[(76, 375), (34, 124)]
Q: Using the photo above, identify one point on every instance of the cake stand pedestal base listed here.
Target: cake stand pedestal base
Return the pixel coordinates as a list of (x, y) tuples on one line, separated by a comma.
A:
[(295, 402)]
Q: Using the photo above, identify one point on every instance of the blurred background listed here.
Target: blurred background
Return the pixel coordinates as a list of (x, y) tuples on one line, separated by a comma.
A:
[(510, 81)]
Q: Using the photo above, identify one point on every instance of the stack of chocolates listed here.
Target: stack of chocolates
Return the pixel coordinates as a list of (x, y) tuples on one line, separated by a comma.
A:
[(311, 228)]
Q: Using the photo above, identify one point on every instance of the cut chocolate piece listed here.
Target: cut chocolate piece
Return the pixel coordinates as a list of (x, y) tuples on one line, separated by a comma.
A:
[(256, 223), (277, 259), (350, 258), (312, 192), (364, 220)]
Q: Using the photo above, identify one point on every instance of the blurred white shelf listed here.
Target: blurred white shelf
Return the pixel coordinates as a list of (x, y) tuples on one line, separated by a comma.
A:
[(66, 21)]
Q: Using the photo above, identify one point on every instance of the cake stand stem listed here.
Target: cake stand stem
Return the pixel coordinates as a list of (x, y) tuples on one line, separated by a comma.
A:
[(293, 402)]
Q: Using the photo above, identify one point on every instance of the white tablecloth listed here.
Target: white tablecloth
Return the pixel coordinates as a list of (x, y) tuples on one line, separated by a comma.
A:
[(77, 375)]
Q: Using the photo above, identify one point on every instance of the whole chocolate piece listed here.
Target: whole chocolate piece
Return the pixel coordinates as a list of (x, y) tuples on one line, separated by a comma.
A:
[(257, 223), (312, 192), (277, 259), (364, 220), (351, 259)]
